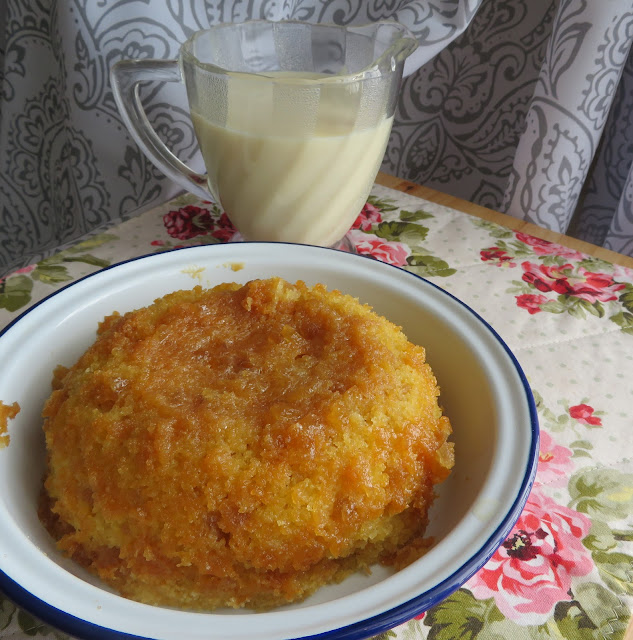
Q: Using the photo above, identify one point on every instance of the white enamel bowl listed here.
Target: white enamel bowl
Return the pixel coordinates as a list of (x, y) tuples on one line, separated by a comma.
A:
[(484, 393)]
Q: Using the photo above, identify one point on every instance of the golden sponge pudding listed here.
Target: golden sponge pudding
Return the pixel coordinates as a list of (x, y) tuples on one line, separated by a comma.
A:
[(242, 446)]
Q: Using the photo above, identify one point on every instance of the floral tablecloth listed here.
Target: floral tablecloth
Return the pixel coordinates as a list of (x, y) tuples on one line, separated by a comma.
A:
[(566, 570)]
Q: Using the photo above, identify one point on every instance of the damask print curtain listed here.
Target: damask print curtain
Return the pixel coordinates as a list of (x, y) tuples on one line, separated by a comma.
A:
[(522, 105), (530, 112)]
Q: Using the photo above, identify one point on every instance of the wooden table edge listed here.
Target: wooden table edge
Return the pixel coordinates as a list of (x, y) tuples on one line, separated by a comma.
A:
[(503, 219)]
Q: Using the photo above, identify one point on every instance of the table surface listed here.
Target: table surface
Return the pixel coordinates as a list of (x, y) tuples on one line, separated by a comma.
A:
[(564, 307)]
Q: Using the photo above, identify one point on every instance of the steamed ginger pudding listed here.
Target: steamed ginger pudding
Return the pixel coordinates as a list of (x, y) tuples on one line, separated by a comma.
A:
[(242, 446)]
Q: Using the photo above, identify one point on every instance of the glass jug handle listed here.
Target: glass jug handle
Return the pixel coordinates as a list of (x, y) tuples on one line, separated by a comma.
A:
[(125, 77)]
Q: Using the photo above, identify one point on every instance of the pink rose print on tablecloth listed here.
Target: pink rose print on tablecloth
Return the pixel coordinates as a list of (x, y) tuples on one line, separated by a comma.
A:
[(24, 270), (368, 216), (533, 569), (584, 284), (597, 286), (547, 248), (389, 251), (557, 279), (188, 222), (191, 221), (585, 415), (498, 256), (224, 229), (532, 303), (547, 278), (622, 273), (554, 462)]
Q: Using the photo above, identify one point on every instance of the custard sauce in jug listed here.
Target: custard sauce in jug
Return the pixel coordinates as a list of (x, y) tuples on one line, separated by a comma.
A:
[(278, 179)]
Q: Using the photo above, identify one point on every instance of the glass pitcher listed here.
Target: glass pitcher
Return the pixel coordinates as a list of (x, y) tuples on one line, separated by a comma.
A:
[(292, 120)]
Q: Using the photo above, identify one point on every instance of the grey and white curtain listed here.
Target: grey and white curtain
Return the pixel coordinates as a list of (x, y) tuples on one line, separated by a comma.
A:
[(530, 112), (525, 106)]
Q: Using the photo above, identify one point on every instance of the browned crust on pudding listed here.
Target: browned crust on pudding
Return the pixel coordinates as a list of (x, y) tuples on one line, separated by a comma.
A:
[(243, 446)]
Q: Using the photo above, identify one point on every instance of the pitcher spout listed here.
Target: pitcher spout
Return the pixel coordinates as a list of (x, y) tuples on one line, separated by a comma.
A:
[(392, 43)]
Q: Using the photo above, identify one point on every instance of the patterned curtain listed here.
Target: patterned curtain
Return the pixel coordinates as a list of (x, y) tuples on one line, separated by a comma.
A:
[(530, 112), (525, 106)]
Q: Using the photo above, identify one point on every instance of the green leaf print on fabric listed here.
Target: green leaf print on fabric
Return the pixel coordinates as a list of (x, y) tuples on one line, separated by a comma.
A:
[(7, 610), (460, 616), (426, 266), (15, 292), (603, 494), (91, 243), (183, 200), (604, 609), (623, 320), (384, 204), (616, 569), (581, 449), (595, 264), (407, 232), (626, 298), (53, 270), (415, 216), (420, 261), (553, 422), (595, 309), (555, 306), (576, 307), (600, 538), (33, 627), (554, 261), (495, 230), (572, 622), (51, 273)]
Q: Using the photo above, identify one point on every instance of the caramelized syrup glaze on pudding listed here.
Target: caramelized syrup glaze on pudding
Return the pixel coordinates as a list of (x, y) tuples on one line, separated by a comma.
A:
[(243, 446)]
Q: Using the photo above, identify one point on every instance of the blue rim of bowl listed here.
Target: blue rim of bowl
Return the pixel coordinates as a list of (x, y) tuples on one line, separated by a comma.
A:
[(361, 630)]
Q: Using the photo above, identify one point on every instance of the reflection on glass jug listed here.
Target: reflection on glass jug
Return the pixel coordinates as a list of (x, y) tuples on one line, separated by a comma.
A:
[(292, 120)]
